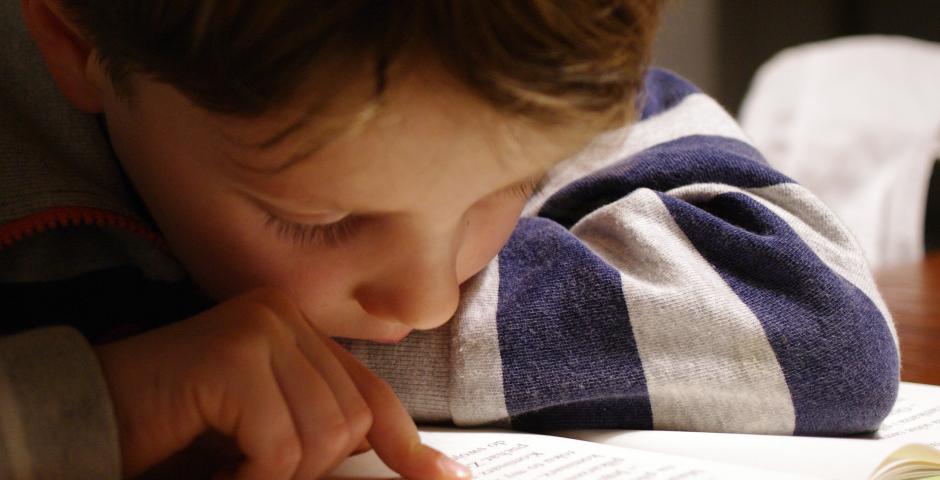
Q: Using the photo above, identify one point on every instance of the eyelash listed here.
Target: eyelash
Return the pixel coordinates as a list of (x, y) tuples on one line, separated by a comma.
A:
[(336, 233), (527, 189), (331, 234)]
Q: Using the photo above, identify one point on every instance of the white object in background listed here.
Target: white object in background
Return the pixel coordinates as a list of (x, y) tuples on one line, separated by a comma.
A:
[(857, 121)]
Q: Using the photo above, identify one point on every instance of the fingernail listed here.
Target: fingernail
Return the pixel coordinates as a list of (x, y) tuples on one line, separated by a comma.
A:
[(454, 469)]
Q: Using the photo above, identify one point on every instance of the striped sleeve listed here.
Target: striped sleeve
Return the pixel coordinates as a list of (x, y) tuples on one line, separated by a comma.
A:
[(684, 284), (668, 278)]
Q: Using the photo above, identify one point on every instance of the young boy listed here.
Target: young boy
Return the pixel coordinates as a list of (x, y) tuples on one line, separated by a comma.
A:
[(367, 171)]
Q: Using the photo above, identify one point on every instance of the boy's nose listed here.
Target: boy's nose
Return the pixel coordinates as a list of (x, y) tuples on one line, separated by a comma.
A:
[(420, 290)]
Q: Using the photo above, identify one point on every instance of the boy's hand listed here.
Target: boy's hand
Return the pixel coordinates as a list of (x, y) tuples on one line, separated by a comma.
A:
[(295, 402)]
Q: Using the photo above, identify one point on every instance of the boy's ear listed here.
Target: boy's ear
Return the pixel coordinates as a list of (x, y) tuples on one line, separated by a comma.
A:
[(69, 56)]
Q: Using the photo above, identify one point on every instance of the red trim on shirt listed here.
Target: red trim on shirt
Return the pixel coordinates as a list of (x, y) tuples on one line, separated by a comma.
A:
[(59, 217)]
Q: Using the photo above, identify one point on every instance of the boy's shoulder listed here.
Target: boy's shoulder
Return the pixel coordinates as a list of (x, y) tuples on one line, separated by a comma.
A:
[(59, 155), (678, 128), (662, 90), (58, 172)]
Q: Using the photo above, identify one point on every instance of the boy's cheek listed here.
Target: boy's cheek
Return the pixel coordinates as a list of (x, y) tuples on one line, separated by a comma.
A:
[(320, 290), (488, 232)]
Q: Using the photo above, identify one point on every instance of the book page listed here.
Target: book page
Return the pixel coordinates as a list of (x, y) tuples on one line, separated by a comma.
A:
[(502, 455), (830, 458), (913, 461), (914, 418)]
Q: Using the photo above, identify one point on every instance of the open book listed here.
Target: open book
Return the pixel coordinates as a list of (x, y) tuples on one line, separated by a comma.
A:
[(906, 447)]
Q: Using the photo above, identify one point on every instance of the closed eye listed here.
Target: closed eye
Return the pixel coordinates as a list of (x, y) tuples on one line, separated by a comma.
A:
[(528, 188), (336, 233), (331, 234)]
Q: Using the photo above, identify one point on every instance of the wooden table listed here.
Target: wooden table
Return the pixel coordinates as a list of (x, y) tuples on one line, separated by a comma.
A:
[(912, 293)]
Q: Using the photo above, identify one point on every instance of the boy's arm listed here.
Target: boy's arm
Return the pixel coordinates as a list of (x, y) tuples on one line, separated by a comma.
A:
[(56, 419), (685, 285)]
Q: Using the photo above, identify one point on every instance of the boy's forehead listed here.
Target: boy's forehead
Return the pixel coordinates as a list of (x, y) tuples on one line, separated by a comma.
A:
[(298, 129), (392, 165), (416, 118)]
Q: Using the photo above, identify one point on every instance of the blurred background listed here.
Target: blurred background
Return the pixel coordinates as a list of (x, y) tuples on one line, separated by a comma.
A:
[(719, 44), (881, 178)]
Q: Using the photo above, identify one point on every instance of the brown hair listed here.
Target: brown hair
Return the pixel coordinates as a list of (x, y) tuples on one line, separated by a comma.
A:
[(550, 61)]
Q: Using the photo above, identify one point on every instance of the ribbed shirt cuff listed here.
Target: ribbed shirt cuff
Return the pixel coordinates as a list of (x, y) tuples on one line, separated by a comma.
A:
[(56, 416)]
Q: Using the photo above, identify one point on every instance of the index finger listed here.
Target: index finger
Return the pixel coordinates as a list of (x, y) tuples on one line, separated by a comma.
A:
[(394, 436)]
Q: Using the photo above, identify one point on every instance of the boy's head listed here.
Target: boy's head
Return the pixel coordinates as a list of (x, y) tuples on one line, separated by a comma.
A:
[(366, 156)]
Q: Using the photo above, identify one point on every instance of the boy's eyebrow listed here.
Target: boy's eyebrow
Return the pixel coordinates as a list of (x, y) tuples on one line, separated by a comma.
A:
[(278, 137), (323, 138)]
